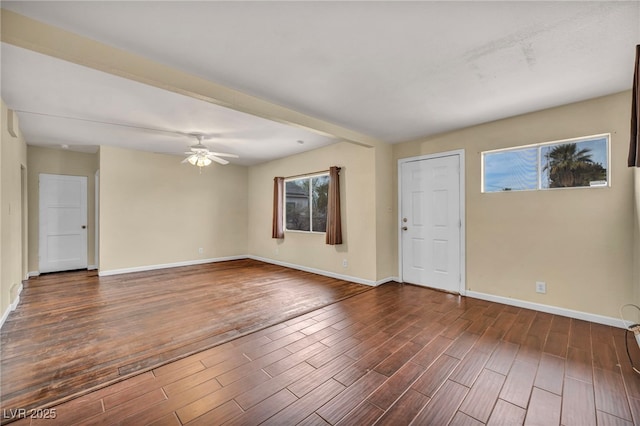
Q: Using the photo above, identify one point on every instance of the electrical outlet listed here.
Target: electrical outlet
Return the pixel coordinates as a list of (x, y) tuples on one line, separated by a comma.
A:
[(541, 287), (345, 263), (200, 250)]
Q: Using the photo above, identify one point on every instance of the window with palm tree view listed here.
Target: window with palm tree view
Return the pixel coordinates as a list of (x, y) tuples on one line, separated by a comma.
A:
[(306, 203), (582, 162)]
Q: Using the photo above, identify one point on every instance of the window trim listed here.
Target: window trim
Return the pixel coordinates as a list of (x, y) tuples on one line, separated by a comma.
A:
[(539, 147), (284, 218)]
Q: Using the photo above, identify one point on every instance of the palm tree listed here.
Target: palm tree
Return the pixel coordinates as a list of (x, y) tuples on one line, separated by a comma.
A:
[(568, 166)]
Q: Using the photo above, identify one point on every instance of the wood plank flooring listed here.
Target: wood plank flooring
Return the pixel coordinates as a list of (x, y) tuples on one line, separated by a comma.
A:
[(76, 331), (394, 355)]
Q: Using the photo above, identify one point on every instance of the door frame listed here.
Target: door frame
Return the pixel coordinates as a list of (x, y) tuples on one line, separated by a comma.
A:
[(41, 214), (96, 252), (463, 249), (24, 220)]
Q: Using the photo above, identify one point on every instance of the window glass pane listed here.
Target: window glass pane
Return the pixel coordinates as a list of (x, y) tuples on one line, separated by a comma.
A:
[(574, 164), (511, 170), (320, 187), (297, 204), (306, 204)]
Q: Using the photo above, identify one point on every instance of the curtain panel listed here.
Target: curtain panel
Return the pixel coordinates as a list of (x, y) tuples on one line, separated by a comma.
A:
[(634, 145), (277, 228), (334, 222)]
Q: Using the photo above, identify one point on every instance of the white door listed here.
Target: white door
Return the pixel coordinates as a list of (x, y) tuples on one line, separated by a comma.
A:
[(63, 223), (431, 222)]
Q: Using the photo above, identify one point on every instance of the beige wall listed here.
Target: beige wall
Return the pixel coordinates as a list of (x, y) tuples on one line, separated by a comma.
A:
[(576, 240), (386, 199), (13, 158), (59, 162), (156, 211), (358, 206)]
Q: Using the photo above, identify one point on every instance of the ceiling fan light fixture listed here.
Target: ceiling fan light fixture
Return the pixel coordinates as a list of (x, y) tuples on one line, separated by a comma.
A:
[(199, 160), (203, 161), (200, 156)]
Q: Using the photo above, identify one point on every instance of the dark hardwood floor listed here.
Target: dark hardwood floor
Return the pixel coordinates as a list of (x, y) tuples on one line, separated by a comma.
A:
[(76, 331), (394, 355)]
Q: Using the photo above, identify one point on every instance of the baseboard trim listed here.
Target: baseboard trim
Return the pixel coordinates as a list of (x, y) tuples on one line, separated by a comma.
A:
[(14, 305), (11, 307), (317, 271), (585, 316), (5, 315), (37, 273), (102, 273), (258, 258), (599, 319), (387, 280)]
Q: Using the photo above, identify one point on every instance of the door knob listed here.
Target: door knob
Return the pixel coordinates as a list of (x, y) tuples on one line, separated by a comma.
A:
[(404, 228), (84, 226)]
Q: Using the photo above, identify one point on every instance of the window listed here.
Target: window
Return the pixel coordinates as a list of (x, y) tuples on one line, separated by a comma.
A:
[(306, 203), (582, 162)]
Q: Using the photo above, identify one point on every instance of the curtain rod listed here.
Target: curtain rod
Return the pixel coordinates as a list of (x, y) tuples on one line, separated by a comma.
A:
[(309, 174)]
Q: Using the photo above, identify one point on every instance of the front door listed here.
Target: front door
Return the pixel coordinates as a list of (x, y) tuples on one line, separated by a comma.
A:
[(63, 222), (431, 222)]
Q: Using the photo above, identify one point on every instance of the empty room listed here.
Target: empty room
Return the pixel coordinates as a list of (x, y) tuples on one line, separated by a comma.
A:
[(327, 213)]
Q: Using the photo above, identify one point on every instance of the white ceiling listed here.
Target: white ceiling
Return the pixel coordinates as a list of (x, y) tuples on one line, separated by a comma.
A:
[(60, 103), (391, 70)]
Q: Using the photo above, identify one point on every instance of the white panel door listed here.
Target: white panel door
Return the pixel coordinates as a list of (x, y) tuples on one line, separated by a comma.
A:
[(430, 222), (63, 223)]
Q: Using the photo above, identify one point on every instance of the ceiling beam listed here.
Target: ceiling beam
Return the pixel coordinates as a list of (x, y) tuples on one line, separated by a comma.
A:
[(28, 33)]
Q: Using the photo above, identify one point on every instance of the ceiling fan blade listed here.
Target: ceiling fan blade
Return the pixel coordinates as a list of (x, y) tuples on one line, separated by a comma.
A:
[(217, 159), (223, 154), (185, 160)]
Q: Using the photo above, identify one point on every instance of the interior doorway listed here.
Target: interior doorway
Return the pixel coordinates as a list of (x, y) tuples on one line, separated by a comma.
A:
[(63, 222)]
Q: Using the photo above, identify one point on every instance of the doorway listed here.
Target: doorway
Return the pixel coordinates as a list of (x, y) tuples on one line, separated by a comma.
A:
[(431, 213), (24, 222), (63, 223)]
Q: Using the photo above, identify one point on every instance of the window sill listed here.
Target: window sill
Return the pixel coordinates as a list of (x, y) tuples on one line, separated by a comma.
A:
[(294, 231)]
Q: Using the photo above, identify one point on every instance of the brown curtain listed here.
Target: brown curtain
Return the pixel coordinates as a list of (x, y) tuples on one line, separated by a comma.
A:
[(334, 222), (277, 230), (634, 146)]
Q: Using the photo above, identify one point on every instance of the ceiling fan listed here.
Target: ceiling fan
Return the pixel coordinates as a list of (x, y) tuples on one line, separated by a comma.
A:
[(199, 155)]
